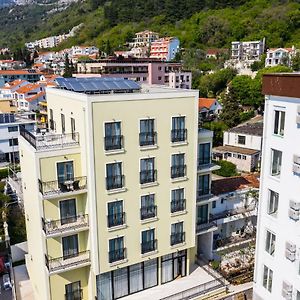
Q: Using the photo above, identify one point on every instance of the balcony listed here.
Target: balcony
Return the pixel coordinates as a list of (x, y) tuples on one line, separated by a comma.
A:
[(207, 166), (148, 176), (178, 205), (48, 141), (148, 139), (178, 135), (68, 262), (233, 212), (204, 195), (65, 226), (178, 171), (74, 295), (148, 246), (148, 212), (114, 142), (55, 188), (205, 227), (116, 220), (117, 255), (177, 238), (114, 182)]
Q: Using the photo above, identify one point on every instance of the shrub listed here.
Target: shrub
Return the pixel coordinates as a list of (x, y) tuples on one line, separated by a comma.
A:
[(228, 169), (215, 264)]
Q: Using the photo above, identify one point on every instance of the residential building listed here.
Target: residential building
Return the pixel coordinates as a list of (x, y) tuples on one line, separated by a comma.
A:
[(144, 39), (251, 50), (84, 50), (165, 48), (7, 106), (24, 74), (242, 146), (279, 56), (9, 133), (145, 70), (209, 108), (110, 193), (215, 53), (10, 64), (277, 248), (7, 91)]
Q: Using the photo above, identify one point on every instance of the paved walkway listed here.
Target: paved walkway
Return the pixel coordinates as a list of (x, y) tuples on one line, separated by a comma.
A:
[(197, 277), (23, 285)]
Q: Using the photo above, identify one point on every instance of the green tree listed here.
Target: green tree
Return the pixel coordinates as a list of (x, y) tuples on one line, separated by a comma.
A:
[(296, 62), (228, 169), (68, 68), (218, 127)]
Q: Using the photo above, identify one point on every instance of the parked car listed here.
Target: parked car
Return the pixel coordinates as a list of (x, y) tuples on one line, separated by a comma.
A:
[(6, 282)]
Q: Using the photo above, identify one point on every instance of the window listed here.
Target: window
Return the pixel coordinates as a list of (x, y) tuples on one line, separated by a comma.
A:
[(178, 132), (177, 234), (244, 157), (147, 171), (147, 133), (273, 203), (276, 162), (114, 177), (178, 168), (203, 185), (202, 214), (13, 142), (73, 291), (270, 243), (65, 172), (177, 200), (116, 216), (63, 124), (116, 249), (267, 278), (73, 128), (70, 246), (229, 154), (51, 121), (13, 128), (148, 207), (67, 210), (279, 119), (204, 154), (239, 156), (148, 241), (241, 139), (214, 204), (113, 139)]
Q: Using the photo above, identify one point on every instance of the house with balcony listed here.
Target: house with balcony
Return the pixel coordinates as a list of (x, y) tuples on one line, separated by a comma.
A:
[(242, 146), (95, 196), (7, 91), (280, 56), (165, 48), (144, 39)]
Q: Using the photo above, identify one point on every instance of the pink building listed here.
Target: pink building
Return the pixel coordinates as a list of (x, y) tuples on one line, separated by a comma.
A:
[(164, 48)]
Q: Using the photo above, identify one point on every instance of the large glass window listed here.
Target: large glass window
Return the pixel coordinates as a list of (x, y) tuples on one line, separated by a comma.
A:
[(65, 171), (120, 283), (136, 278), (241, 139), (202, 214), (276, 162), (177, 200), (279, 120), (147, 133), (73, 291), (148, 172), (178, 132), (204, 154), (273, 203), (270, 242), (148, 241), (70, 246), (203, 185), (13, 128), (267, 278), (63, 123), (116, 216), (148, 207), (177, 233), (113, 137), (150, 273), (178, 167), (116, 249), (67, 211), (114, 177)]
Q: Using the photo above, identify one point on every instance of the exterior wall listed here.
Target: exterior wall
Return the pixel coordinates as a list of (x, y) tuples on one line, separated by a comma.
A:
[(287, 185), (244, 165), (252, 141)]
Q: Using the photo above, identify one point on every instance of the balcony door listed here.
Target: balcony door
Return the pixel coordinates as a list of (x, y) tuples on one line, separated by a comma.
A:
[(147, 132), (73, 291), (203, 185), (65, 171), (70, 246), (202, 214), (67, 211)]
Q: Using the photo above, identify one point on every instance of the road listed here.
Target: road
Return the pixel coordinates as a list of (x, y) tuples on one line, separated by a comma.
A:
[(5, 295)]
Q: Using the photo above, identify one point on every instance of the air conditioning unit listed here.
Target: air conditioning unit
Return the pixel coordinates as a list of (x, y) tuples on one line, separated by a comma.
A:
[(296, 159), (295, 205), (294, 214), (290, 255), (296, 168), (287, 286), (290, 247)]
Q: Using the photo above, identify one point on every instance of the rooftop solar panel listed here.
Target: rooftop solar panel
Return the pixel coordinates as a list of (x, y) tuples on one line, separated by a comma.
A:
[(97, 85)]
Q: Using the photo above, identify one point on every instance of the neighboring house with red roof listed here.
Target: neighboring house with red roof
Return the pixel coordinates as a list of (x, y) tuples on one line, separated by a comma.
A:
[(279, 56), (23, 74), (209, 107), (7, 91), (214, 53)]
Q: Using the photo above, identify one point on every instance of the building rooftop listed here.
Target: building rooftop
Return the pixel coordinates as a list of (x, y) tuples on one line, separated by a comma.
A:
[(19, 72), (234, 149), (206, 102), (232, 184), (249, 128)]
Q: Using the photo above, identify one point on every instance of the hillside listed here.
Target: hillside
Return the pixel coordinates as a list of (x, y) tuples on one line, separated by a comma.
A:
[(198, 24)]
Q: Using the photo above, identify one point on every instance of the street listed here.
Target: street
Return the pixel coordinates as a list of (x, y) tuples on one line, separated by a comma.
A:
[(5, 294)]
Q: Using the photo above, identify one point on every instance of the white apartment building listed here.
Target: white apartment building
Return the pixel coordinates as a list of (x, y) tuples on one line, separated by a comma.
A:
[(144, 38), (250, 50), (242, 146), (279, 56), (277, 272)]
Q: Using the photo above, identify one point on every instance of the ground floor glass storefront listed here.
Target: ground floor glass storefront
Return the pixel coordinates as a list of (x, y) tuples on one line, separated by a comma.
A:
[(138, 277)]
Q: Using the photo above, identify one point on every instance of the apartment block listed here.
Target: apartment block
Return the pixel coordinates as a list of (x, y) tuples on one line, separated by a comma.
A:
[(279, 56), (278, 245), (249, 50), (144, 38), (110, 191), (165, 48), (25, 74)]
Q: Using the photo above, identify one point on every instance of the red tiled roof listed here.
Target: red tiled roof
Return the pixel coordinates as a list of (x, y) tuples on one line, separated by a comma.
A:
[(38, 95), (227, 185), (26, 88), (19, 72), (206, 102)]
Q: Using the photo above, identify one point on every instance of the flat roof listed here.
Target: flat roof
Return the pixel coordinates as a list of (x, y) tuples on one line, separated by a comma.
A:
[(234, 149)]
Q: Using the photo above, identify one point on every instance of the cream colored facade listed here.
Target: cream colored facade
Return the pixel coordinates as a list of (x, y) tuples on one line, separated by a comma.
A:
[(42, 196)]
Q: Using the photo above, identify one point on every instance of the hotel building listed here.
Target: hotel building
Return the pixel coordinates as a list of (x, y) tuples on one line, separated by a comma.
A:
[(110, 192), (278, 243)]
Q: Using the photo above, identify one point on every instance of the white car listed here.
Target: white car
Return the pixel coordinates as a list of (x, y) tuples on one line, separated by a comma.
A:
[(6, 282)]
